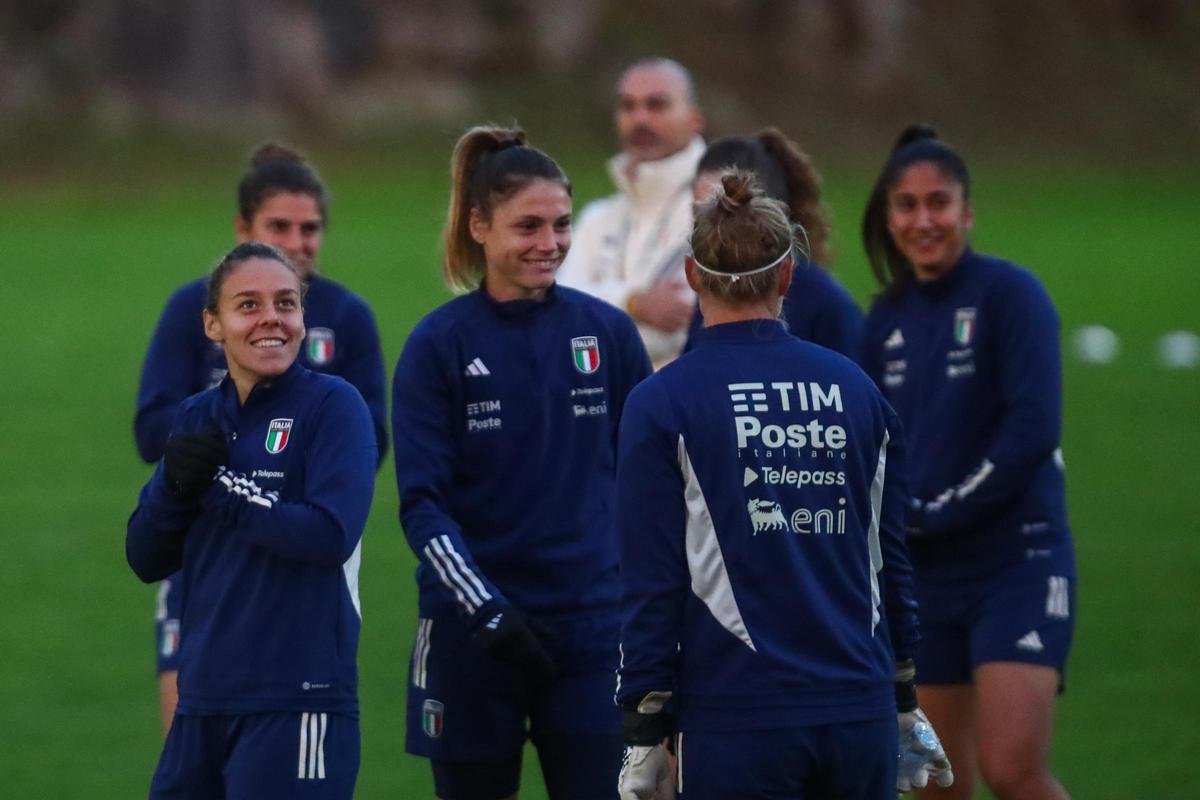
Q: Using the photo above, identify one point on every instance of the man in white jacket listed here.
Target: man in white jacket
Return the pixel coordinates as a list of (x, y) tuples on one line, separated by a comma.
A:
[(628, 248)]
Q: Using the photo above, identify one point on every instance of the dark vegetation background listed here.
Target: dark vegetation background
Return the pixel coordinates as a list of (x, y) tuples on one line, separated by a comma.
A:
[(124, 126)]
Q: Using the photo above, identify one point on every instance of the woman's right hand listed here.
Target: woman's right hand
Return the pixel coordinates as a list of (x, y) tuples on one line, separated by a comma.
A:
[(190, 460), (508, 636)]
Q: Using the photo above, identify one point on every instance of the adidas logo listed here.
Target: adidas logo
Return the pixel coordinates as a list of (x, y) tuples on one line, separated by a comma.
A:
[(494, 622), (1032, 642), (477, 368), (894, 341)]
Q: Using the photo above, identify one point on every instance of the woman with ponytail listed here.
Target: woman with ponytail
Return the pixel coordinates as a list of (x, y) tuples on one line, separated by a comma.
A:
[(767, 613), (281, 201), (817, 308), (965, 347), (505, 409)]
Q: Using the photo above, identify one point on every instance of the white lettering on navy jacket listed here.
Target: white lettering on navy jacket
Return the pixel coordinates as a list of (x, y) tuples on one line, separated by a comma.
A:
[(760, 502), (270, 552), (636, 238), (505, 422)]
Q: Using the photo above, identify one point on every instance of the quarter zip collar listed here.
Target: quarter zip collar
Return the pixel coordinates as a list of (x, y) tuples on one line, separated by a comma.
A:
[(951, 280), (262, 392), (518, 309)]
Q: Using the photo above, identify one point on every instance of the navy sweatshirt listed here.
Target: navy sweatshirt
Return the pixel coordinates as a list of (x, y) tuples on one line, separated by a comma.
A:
[(270, 553), (341, 340), (760, 504), (816, 309), (971, 364), (505, 418)]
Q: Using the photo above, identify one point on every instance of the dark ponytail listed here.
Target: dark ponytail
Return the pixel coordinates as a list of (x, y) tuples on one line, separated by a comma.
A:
[(275, 168), (784, 172), (916, 144)]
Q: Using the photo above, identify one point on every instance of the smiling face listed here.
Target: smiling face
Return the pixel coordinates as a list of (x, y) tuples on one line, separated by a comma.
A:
[(525, 240), (292, 222), (258, 320), (928, 219), (655, 115)]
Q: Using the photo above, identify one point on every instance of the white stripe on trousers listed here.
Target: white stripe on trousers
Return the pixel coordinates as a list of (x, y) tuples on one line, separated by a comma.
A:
[(679, 762), (312, 746), (420, 659)]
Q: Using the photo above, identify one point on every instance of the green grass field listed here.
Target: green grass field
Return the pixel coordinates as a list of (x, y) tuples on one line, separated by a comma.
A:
[(89, 263)]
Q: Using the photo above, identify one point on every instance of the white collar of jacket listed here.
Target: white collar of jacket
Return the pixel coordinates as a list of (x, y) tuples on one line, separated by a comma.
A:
[(655, 181)]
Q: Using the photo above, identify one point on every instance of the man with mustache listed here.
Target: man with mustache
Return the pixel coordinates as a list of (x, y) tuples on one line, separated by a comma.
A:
[(628, 248)]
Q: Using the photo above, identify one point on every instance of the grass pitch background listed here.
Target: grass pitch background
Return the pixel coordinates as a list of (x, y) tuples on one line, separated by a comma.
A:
[(91, 257)]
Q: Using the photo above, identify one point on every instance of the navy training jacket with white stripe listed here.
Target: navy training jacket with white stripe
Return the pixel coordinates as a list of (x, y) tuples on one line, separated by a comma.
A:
[(341, 340), (760, 500), (504, 417), (270, 553), (971, 364)]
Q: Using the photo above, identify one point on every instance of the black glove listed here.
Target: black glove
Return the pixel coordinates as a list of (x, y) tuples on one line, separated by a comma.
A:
[(509, 637), (190, 460)]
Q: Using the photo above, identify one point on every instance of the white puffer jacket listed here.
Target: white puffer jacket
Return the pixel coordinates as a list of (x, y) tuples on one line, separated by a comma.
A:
[(637, 237)]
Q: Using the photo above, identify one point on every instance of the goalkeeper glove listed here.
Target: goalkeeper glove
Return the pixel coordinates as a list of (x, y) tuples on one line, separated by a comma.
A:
[(190, 460), (921, 753), (646, 766), (509, 637)]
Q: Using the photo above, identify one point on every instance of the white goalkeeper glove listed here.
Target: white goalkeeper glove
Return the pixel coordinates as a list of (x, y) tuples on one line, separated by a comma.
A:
[(921, 754), (645, 773), (647, 769)]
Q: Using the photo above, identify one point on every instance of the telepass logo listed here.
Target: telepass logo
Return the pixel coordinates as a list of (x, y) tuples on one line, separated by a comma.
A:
[(278, 433), (586, 350)]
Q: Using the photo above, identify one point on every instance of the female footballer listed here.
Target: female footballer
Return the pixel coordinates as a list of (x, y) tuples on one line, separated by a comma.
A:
[(281, 201), (965, 347), (817, 308), (259, 505), (504, 412), (767, 612)]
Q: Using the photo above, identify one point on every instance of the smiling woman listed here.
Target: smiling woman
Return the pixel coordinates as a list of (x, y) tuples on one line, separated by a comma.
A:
[(281, 201), (965, 348), (259, 504), (504, 410)]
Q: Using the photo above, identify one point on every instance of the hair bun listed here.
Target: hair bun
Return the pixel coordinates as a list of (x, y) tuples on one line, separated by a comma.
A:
[(914, 133), (273, 151), (737, 190)]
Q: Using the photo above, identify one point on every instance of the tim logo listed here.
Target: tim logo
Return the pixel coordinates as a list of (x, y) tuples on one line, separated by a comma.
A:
[(744, 395), (964, 325), (766, 515), (278, 433), (586, 352), (320, 346)]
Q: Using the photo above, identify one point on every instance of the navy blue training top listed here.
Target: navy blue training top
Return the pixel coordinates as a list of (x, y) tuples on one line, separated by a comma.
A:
[(270, 553), (341, 339), (760, 505), (816, 309), (505, 419), (971, 363)]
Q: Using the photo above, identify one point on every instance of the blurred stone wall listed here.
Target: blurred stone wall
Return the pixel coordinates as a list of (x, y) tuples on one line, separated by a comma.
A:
[(1122, 72)]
